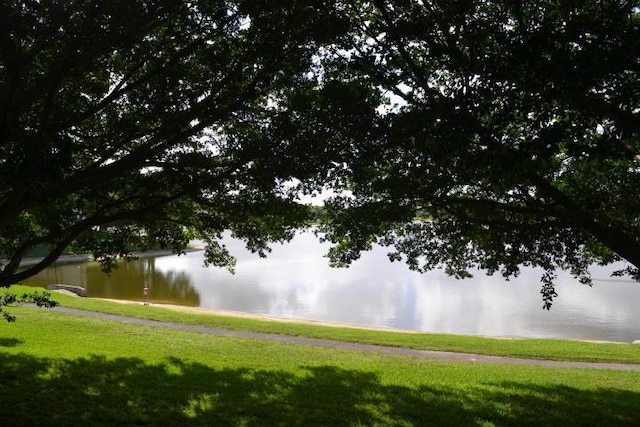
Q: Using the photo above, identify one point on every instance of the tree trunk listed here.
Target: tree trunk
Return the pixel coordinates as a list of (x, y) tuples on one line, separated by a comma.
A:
[(620, 242)]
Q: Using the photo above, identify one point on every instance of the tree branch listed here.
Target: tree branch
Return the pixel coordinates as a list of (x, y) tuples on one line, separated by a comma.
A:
[(611, 236), (400, 46)]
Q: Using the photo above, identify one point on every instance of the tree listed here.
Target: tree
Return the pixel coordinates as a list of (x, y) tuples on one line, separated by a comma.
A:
[(124, 124), (468, 133), (510, 135)]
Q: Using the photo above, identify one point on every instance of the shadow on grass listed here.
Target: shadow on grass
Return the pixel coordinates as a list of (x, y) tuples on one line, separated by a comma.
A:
[(126, 391), (10, 342)]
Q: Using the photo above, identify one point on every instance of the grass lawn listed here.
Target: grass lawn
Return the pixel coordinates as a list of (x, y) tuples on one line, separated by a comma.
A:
[(61, 369), (525, 348)]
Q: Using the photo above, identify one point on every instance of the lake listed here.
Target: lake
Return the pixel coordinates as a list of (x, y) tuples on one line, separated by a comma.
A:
[(296, 282)]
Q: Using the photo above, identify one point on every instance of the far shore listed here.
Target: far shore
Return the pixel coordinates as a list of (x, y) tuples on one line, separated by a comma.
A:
[(80, 258)]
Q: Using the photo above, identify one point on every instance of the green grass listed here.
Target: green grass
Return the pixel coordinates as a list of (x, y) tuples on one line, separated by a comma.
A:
[(61, 369), (524, 348)]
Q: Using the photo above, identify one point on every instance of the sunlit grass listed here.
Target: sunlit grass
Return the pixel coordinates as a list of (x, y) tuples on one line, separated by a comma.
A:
[(61, 369), (524, 348)]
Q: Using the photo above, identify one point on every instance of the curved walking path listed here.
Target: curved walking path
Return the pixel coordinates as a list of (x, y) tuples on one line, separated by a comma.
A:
[(425, 354)]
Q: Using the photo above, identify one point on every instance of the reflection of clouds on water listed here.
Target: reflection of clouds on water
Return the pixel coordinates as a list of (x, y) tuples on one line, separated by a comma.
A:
[(296, 281), (492, 306), (457, 306), (608, 309)]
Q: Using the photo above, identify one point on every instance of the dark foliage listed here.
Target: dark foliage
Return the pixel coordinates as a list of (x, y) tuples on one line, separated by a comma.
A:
[(510, 136)]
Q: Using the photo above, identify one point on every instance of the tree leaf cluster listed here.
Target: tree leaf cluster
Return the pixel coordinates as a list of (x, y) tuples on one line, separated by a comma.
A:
[(8, 299)]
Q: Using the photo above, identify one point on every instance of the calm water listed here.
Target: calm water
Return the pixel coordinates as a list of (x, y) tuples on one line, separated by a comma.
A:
[(296, 282)]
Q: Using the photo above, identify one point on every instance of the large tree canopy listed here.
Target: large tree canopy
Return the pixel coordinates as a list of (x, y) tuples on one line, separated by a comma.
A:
[(121, 123), (466, 133), (510, 136)]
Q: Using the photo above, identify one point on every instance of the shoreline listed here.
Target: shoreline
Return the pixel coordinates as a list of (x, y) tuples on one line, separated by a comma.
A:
[(262, 317), (81, 258), (272, 318)]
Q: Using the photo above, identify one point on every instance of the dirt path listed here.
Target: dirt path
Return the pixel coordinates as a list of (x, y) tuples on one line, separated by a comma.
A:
[(425, 354)]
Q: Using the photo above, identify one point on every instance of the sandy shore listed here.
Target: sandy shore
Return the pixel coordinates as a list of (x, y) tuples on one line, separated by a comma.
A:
[(270, 318), (264, 317)]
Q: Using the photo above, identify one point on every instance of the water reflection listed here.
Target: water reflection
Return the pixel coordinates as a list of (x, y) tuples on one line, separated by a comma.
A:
[(127, 282), (296, 282)]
